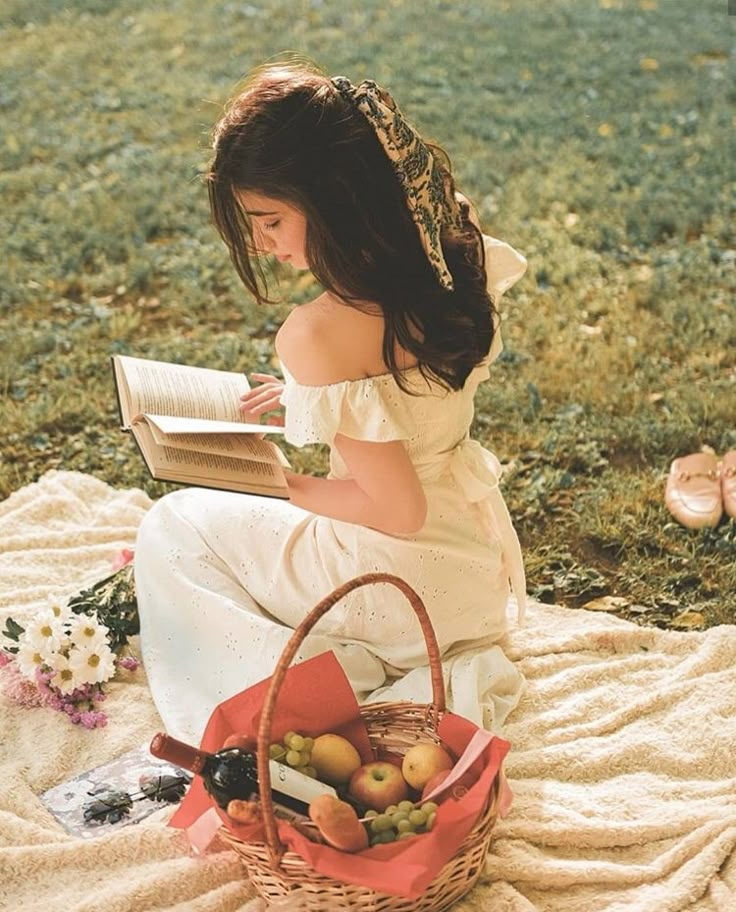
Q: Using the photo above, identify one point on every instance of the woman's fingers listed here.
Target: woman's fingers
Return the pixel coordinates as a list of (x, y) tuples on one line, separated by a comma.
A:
[(266, 402), (263, 398), (269, 394)]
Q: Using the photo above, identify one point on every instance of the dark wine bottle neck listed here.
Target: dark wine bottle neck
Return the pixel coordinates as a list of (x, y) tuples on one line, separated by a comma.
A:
[(179, 753)]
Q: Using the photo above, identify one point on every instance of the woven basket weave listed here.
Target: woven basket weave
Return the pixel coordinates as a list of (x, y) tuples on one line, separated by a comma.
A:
[(392, 727)]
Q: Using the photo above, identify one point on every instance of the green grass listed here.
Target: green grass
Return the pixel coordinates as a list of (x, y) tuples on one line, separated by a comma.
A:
[(596, 137)]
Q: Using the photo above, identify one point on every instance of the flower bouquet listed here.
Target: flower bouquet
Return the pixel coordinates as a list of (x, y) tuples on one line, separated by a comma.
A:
[(62, 658)]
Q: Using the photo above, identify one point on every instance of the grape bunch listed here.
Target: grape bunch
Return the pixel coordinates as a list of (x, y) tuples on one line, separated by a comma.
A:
[(294, 750), (400, 821)]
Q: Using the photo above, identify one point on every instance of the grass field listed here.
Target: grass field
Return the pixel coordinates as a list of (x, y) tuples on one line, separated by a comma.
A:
[(595, 136)]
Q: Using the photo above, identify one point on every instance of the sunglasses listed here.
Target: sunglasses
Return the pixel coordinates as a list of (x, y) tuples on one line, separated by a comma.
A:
[(111, 805)]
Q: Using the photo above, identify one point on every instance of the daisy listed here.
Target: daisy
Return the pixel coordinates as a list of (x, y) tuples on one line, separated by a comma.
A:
[(64, 678), (60, 611), (45, 633), (92, 664), (86, 632), (29, 658)]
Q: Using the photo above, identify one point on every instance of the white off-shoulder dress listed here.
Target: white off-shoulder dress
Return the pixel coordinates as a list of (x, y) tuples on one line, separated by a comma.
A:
[(222, 578)]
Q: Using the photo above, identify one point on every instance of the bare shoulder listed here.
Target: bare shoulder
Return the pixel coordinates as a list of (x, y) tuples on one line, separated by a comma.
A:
[(324, 342)]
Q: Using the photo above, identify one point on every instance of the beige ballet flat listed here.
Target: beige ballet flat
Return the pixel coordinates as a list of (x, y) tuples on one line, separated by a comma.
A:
[(693, 491), (728, 483)]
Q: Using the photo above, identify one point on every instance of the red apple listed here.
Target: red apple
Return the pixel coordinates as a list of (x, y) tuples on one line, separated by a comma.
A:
[(465, 782), (378, 784), (244, 742)]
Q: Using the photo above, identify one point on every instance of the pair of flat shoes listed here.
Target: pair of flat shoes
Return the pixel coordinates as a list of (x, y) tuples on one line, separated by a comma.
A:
[(700, 487)]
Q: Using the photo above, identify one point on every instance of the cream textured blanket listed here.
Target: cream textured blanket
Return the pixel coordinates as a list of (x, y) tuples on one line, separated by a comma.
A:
[(623, 759)]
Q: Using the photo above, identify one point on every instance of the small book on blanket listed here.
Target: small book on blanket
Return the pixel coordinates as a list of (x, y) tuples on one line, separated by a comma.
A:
[(189, 430), (117, 793)]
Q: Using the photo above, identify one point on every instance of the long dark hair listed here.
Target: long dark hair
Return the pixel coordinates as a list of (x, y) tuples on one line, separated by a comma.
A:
[(291, 136)]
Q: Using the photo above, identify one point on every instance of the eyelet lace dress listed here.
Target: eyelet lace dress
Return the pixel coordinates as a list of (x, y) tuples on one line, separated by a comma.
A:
[(223, 578)]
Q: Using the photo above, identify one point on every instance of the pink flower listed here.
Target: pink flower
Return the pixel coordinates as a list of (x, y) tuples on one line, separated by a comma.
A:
[(129, 663), (20, 690), (5, 658), (92, 719), (122, 559)]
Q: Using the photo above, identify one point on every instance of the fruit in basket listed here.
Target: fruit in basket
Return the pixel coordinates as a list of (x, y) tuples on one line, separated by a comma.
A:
[(338, 823), (244, 742), (294, 750), (378, 785), (401, 821), (334, 759), (244, 811), (423, 761), (464, 782)]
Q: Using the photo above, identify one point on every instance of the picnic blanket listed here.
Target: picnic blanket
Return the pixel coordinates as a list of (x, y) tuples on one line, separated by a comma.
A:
[(623, 757)]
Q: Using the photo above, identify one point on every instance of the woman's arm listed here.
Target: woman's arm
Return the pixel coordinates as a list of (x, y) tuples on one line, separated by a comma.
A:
[(384, 492)]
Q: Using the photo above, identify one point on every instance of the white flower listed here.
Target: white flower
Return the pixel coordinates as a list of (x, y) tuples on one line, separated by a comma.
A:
[(45, 634), (86, 632), (29, 659), (92, 664), (60, 611), (64, 677)]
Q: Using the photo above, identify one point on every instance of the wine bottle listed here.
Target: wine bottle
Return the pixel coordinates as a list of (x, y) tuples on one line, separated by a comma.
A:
[(233, 773)]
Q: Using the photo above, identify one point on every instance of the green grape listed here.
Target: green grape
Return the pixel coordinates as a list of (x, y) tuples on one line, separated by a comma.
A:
[(418, 817), (406, 805), (405, 826), (371, 813), (381, 823), (387, 836), (431, 819), (391, 809), (398, 816), (276, 751), (406, 835), (287, 738), (293, 757), (296, 742), (429, 807), (308, 744), (309, 771), (376, 840), (304, 758)]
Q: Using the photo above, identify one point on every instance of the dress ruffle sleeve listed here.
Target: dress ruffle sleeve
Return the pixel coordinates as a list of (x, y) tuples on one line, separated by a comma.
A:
[(367, 409), (504, 267)]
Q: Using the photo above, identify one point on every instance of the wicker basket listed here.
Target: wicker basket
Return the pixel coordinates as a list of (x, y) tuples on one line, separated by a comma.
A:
[(277, 872)]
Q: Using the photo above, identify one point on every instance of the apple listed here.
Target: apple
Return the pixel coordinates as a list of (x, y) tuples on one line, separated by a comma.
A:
[(244, 742), (465, 782), (422, 761), (378, 784)]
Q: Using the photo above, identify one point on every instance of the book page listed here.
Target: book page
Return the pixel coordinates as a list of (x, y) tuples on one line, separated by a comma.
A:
[(222, 467), (178, 389), (241, 446), (197, 467), (172, 424)]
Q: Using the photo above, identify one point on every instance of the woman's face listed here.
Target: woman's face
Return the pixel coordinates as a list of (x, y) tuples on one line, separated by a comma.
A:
[(278, 228)]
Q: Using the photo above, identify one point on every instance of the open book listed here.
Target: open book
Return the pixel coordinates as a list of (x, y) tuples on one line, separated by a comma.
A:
[(188, 428)]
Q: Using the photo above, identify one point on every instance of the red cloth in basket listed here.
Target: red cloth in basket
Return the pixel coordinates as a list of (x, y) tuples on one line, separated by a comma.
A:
[(316, 697)]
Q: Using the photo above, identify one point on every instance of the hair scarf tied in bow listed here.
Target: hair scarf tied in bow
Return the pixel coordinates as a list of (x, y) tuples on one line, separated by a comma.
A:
[(431, 204)]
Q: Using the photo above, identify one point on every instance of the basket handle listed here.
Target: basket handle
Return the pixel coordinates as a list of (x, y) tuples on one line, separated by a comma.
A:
[(276, 849)]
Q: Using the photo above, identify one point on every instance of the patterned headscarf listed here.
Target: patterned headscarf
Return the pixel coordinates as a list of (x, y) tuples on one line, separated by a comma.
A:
[(432, 205)]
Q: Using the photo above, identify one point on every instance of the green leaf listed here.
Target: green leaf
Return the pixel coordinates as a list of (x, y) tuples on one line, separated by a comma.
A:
[(13, 630)]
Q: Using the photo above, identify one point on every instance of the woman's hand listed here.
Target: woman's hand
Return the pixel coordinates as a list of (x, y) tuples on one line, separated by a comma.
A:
[(263, 398)]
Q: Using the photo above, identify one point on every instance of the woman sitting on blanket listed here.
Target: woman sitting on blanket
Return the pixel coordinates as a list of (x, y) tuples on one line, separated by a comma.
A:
[(382, 367)]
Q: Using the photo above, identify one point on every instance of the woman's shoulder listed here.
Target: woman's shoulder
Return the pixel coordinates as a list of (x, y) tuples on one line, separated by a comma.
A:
[(325, 341)]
